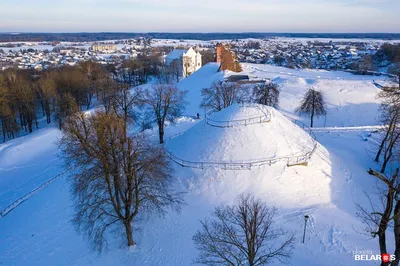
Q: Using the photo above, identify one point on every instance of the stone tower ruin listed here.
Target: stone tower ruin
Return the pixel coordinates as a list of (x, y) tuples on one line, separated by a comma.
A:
[(227, 58)]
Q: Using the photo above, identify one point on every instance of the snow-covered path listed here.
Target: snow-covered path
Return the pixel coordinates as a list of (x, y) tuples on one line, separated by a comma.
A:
[(346, 129)]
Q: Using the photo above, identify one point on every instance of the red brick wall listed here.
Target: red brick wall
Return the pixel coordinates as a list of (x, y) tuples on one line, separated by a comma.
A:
[(227, 59)]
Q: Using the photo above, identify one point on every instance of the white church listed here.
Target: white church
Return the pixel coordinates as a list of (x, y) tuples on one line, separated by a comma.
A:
[(188, 60)]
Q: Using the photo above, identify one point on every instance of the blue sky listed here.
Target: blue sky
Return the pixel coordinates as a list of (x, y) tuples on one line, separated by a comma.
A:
[(200, 15)]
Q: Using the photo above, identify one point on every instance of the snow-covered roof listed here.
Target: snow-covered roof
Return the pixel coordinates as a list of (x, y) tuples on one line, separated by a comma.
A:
[(176, 54)]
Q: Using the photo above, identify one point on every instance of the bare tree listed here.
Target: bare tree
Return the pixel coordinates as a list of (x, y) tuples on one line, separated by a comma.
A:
[(106, 91), (117, 177), (125, 99), (166, 103), (378, 217), (396, 230), (47, 92), (221, 95), (175, 69), (242, 234), (366, 64), (66, 106), (23, 95), (168, 74), (312, 104), (390, 118), (267, 94), (208, 56)]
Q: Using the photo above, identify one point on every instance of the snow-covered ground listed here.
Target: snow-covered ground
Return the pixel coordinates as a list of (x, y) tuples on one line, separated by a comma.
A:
[(39, 231)]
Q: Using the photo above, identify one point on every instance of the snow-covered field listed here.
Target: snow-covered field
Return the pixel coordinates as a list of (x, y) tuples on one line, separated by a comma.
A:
[(39, 231)]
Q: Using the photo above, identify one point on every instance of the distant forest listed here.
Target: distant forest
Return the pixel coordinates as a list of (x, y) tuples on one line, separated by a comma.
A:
[(101, 36)]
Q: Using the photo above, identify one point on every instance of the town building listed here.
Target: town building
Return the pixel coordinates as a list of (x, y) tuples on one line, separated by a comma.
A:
[(187, 61), (103, 48)]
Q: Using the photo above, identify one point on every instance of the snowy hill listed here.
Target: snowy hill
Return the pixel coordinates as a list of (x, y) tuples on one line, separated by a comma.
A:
[(275, 138), (27, 162)]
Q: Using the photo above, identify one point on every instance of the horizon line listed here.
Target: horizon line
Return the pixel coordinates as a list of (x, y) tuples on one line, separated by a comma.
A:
[(188, 32)]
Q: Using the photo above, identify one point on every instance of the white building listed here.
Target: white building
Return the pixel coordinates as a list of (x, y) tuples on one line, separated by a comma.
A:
[(188, 61), (104, 48)]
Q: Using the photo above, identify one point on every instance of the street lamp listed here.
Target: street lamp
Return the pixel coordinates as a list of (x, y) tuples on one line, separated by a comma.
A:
[(306, 217)]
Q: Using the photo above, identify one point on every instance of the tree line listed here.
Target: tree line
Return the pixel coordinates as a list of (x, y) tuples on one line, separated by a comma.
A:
[(388, 56), (223, 94), (26, 95)]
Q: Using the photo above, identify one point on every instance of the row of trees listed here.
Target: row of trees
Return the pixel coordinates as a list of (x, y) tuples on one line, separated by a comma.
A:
[(387, 56), (223, 94), (26, 96)]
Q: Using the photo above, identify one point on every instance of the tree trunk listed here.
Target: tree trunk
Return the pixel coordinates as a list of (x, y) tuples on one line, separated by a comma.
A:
[(313, 109), (396, 231), (385, 222), (30, 128), (312, 118), (385, 164), (383, 144), (129, 237), (161, 133), (389, 152), (48, 112), (3, 130), (382, 245)]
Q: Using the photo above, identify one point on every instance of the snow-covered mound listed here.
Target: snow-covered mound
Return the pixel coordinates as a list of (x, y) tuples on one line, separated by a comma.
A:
[(278, 138)]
